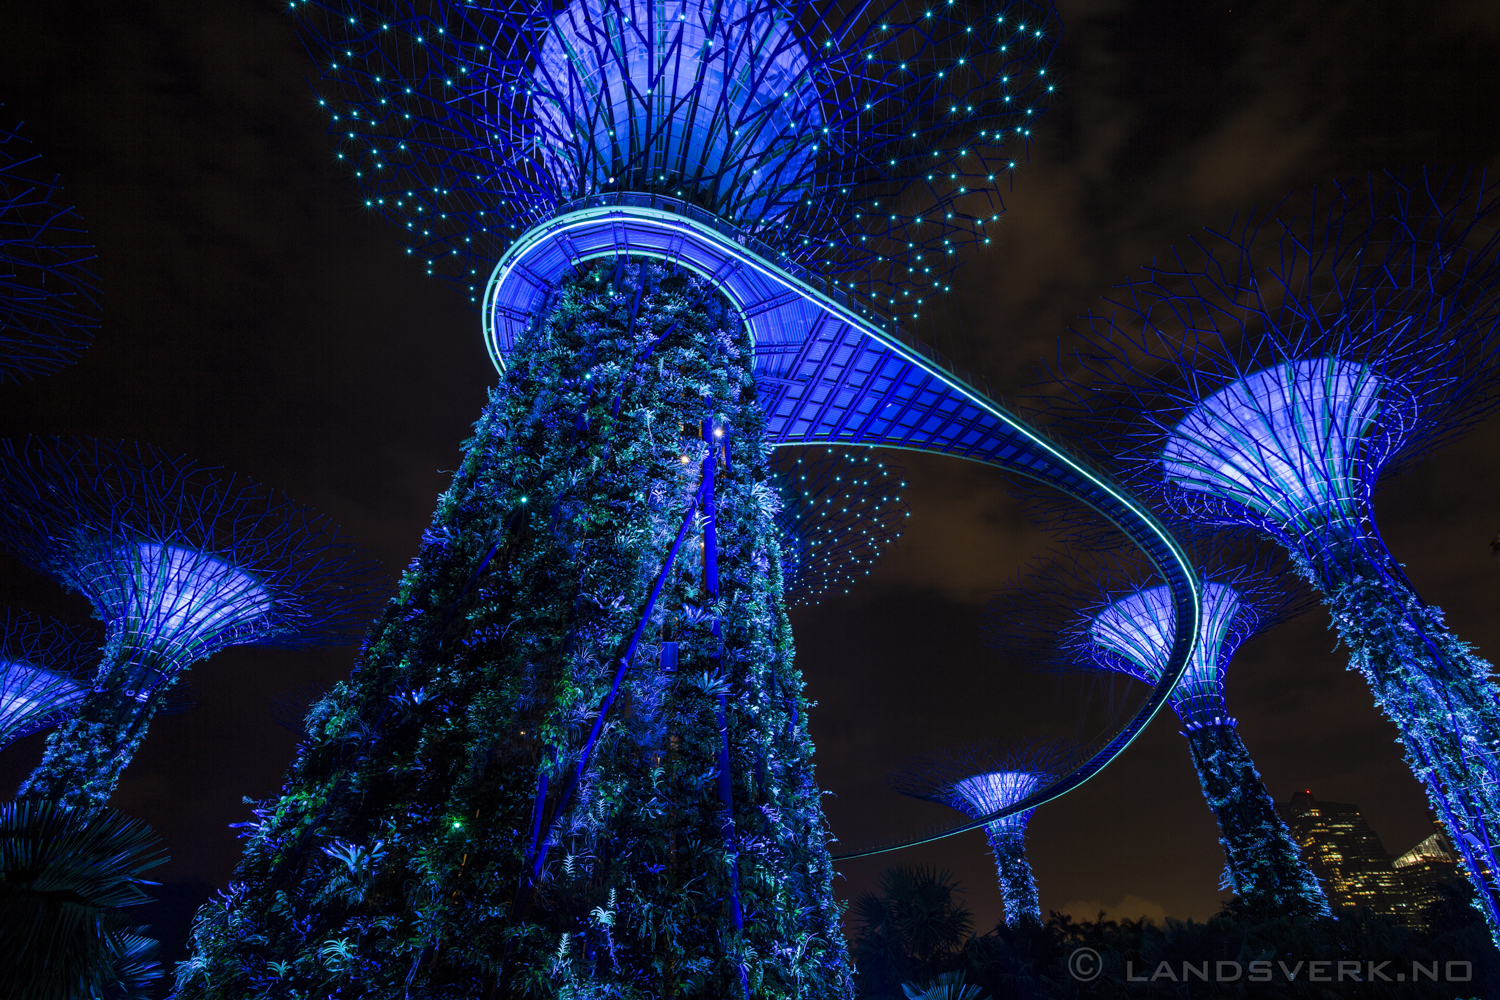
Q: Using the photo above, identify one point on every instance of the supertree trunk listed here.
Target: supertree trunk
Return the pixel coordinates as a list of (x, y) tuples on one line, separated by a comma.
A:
[(1437, 691), (86, 755), (1017, 884), (573, 760), (1265, 866)]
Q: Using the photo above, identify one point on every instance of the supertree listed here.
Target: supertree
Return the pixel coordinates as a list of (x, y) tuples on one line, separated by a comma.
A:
[(1108, 613), (178, 563), (48, 298), (841, 511), (1272, 373), (979, 779), (42, 670), (863, 141), (574, 757)]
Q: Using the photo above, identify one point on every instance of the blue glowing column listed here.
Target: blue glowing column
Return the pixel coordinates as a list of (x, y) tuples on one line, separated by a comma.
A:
[(166, 607), (1291, 450), (1263, 865), (986, 793)]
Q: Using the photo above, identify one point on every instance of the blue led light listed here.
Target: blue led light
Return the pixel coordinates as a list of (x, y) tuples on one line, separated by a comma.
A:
[(1283, 442), (182, 596), (841, 510), (722, 94), (1138, 628)]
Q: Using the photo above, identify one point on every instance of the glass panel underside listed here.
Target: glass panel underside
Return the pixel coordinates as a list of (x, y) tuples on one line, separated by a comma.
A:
[(833, 372)]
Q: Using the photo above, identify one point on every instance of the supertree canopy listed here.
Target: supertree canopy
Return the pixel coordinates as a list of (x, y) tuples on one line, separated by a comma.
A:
[(574, 758), (979, 779), (867, 141), (178, 563), (1107, 613), (841, 511), (1273, 373), (48, 297), (42, 667)]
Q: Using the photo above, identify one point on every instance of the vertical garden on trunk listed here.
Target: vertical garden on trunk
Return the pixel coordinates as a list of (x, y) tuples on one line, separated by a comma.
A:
[(573, 759)]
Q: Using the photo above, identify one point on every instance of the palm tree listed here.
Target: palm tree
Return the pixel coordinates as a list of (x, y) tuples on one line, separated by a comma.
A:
[(948, 986), (910, 925), (65, 876)]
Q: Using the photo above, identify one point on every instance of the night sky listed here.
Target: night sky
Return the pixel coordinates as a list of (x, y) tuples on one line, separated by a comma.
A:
[(257, 317)]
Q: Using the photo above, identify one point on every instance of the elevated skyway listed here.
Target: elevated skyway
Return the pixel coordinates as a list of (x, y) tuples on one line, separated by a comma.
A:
[(831, 370)]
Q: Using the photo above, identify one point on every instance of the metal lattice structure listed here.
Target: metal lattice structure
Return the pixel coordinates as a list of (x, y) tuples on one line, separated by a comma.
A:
[(49, 299), (178, 563), (1280, 367), (535, 141), (841, 511), (1109, 611), (44, 668), (980, 780), (868, 142), (1272, 373)]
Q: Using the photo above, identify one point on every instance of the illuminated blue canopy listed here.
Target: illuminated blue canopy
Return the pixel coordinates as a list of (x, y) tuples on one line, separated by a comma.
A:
[(984, 778), (33, 698), (176, 604), (41, 666), (1284, 443), (870, 140), (988, 793), (179, 562), (1138, 628), (713, 98), (185, 597)]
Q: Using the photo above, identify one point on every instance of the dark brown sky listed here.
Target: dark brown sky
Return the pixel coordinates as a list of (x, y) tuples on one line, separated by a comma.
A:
[(256, 317)]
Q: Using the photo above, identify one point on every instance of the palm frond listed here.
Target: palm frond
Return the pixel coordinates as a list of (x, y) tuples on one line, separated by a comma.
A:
[(64, 876)]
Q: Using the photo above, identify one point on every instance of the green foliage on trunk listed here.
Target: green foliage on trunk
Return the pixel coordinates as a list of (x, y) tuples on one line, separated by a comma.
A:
[(1438, 692), (1263, 865), (395, 862), (85, 756)]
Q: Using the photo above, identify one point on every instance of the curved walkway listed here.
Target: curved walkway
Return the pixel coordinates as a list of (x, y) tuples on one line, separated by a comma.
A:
[(831, 372)]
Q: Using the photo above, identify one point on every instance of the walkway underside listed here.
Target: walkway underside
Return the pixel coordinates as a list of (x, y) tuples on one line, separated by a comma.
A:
[(833, 372)]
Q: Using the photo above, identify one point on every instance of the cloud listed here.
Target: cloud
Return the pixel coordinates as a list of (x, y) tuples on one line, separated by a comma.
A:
[(1131, 907), (966, 535)]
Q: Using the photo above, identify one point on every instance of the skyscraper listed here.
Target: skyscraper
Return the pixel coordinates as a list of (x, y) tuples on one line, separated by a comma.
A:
[(1345, 854), (1272, 376), (1425, 871)]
